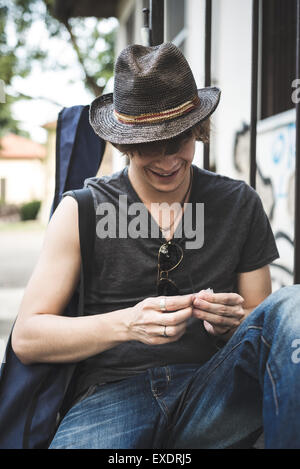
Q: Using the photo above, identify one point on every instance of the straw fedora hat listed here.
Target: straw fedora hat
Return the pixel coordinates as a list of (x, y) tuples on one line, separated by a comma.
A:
[(155, 97)]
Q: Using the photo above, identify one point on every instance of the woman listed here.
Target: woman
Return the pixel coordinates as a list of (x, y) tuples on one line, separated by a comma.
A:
[(178, 348)]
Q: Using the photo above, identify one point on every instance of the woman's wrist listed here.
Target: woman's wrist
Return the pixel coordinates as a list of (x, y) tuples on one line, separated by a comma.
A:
[(120, 321)]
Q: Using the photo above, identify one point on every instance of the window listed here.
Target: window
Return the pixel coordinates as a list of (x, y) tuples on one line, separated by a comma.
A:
[(278, 56)]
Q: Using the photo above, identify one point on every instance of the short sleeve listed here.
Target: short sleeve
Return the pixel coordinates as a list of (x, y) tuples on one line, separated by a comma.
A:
[(259, 248)]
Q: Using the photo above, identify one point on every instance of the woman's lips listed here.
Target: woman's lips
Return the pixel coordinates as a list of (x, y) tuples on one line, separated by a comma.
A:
[(165, 175)]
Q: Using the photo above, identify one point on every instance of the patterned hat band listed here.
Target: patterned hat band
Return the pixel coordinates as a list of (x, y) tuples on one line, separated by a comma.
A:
[(162, 116)]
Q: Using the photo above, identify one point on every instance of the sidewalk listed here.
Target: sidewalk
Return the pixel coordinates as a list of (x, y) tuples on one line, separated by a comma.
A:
[(20, 245)]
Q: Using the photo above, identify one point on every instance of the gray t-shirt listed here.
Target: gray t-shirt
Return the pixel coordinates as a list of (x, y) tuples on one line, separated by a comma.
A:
[(237, 238)]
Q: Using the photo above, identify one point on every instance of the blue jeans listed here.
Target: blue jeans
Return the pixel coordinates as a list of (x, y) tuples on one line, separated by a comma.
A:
[(250, 383)]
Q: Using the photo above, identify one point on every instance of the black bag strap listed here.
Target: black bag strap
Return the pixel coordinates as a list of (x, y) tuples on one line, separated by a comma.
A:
[(87, 229)]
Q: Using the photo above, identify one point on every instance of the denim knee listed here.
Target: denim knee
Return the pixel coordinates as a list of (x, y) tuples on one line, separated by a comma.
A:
[(284, 307), (290, 291), (280, 309), (288, 298)]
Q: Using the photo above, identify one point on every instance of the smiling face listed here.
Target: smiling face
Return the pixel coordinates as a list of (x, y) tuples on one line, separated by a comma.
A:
[(163, 172)]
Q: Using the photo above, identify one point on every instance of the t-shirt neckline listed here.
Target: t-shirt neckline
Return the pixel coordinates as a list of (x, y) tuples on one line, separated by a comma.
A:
[(151, 219)]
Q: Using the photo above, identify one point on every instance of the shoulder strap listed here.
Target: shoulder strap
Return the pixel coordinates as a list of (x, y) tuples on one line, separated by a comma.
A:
[(87, 229)]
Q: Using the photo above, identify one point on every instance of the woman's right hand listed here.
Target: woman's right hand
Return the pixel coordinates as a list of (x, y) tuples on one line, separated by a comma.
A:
[(147, 323)]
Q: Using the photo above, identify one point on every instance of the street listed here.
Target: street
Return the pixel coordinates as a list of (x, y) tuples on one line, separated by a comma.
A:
[(19, 251)]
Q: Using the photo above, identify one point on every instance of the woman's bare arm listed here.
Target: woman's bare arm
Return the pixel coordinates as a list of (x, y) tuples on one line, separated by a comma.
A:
[(40, 333)]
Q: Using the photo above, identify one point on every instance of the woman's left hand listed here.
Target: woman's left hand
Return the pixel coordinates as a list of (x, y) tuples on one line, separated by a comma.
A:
[(222, 313)]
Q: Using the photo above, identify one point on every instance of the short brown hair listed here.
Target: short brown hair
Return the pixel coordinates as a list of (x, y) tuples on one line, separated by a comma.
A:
[(199, 131)]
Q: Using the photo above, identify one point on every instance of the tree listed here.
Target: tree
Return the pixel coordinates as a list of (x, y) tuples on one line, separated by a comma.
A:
[(94, 49)]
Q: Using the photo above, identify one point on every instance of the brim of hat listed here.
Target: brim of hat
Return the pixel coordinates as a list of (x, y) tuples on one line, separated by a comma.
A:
[(106, 125)]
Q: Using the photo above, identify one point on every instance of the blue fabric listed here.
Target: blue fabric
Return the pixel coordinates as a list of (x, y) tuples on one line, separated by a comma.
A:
[(79, 151), (31, 396), (253, 381)]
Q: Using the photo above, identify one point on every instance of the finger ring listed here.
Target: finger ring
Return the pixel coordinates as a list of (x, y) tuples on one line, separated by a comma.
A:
[(165, 333), (162, 304)]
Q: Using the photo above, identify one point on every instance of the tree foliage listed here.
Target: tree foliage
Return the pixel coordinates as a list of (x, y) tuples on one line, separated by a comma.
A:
[(94, 49)]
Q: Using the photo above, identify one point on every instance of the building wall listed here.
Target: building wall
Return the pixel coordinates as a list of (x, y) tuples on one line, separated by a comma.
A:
[(49, 186), (231, 72), (194, 51), (275, 182), (130, 16), (231, 65), (25, 179)]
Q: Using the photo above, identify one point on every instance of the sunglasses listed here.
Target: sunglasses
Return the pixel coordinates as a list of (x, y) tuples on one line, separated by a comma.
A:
[(170, 256)]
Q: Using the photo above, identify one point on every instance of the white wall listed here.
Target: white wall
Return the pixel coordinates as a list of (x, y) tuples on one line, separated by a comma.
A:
[(49, 186), (231, 70), (25, 180), (194, 52)]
